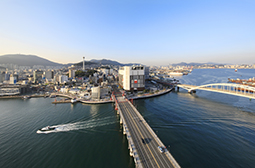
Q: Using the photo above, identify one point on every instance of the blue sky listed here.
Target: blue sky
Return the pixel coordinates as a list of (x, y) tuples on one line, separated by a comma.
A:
[(149, 32)]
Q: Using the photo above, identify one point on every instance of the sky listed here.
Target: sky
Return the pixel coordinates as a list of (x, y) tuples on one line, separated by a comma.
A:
[(150, 32)]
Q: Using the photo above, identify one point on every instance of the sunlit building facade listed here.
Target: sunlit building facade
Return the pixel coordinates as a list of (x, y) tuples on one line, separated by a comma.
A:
[(132, 78)]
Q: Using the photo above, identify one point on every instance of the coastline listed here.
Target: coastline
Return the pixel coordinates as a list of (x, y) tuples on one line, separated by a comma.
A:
[(135, 97), (20, 96), (144, 96)]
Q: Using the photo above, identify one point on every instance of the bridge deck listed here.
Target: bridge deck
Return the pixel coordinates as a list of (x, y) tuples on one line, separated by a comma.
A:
[(145, 140), (236, 90)]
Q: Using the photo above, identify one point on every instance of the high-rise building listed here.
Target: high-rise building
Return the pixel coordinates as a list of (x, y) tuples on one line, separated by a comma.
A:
[(147, 72), (63, 79), (83, 64), (7, 76), (132, 78), (16, 75), (2, 77), (13, 79), (72, 72), (37, 75), (49, 74)]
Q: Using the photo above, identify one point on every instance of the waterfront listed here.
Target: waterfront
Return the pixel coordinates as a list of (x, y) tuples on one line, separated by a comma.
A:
[(90, 136), (204, 130)]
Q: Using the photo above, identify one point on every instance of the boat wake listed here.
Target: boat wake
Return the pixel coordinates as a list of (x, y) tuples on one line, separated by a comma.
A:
[(77, 125)]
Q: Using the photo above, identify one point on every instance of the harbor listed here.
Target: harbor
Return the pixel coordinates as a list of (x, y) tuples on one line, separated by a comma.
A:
[(141, 96), (248, 82), (181, 121)]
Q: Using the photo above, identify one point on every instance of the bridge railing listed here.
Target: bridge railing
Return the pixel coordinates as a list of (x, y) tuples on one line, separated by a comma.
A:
[(234, 89), (170, 157)]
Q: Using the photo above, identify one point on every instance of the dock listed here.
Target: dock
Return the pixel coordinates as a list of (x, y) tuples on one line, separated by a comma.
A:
[(61, 101)]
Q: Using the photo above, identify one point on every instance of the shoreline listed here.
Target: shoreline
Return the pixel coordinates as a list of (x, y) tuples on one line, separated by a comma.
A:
[(20, 96), (148, 95)]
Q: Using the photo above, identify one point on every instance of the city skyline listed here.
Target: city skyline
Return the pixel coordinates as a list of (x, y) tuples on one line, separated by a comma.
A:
[(147, 32)]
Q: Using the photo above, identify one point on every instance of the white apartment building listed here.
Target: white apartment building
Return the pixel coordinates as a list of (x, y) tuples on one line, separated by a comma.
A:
[(132, 78), (63, 79), (71, 73), (95, 92), (13, 79)]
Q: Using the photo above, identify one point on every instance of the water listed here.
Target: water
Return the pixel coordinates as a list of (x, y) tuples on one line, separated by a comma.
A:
[(206, 129), (203, 130), (88, 135)]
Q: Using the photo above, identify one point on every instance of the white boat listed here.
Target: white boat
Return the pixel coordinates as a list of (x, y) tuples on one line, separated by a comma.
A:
[(47, 129), (26, 97), (235, 70), (73, 100), (175, 73)]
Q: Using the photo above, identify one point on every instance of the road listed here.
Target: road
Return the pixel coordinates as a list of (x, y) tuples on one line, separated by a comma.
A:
[(145, 140)]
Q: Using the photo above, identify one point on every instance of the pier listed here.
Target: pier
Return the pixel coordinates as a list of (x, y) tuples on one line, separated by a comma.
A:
[(61, 101), (143, 143)]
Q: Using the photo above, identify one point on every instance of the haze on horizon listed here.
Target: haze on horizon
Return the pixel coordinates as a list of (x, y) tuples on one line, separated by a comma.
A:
[(143, 31)]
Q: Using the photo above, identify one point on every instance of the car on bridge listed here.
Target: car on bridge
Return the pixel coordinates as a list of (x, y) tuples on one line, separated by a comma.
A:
[(161, 149)]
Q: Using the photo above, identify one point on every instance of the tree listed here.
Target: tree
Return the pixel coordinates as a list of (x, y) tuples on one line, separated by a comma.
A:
[(79, 73), (90, 72)]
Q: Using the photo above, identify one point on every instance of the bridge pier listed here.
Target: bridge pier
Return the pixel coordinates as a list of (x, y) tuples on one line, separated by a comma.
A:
[(124, 130), (126, 113), (121, 122), (178, 89), (130, 148), (192, 91)]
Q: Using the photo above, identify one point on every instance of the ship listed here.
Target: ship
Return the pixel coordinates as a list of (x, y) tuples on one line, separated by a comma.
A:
[(73, 100), (249, 82), (175, 73), (47, 129), (26, 97)]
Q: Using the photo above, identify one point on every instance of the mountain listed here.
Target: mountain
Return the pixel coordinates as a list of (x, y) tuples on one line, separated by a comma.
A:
[(106, 62), (26, 60), (110, 62), (31, 60), (193, 64), (86, 63)]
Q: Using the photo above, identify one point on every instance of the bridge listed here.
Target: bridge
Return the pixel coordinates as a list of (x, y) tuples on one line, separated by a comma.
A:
[(143, 143), (225, 88)]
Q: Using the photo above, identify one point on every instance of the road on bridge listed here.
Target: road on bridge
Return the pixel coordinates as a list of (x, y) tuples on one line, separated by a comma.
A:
[(145, 142)]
